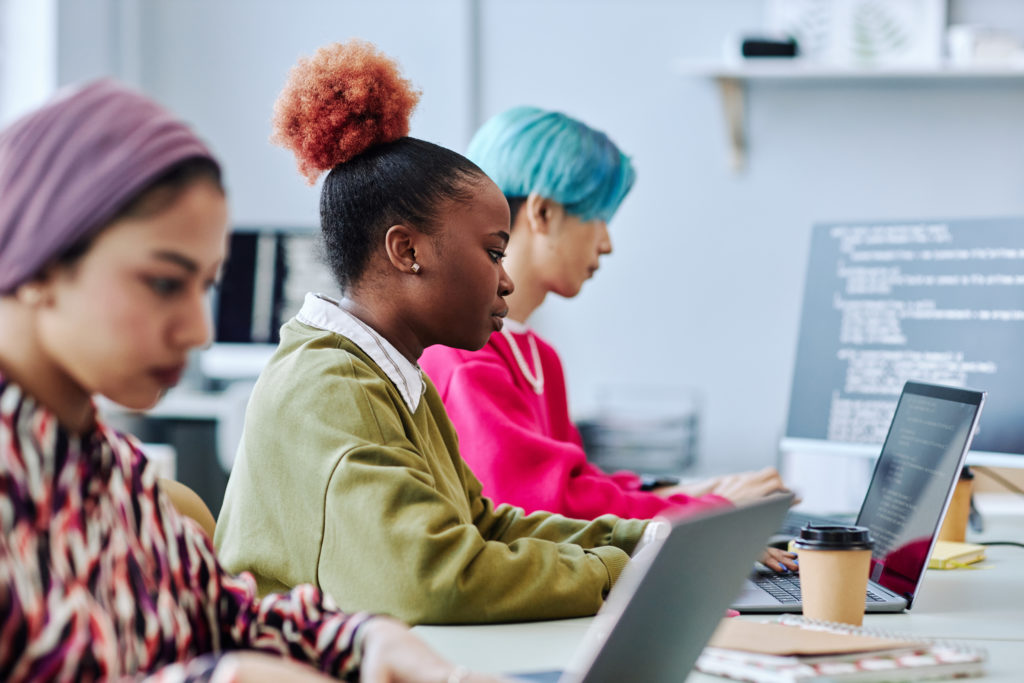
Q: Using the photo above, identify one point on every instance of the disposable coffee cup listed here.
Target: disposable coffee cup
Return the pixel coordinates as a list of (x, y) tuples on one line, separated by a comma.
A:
[(954, 524), (834, 565)]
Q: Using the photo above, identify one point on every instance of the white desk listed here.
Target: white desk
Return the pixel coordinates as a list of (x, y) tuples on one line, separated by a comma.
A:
[(983, 606)]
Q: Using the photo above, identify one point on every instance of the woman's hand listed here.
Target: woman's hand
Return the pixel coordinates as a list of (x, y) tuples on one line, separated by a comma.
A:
[(393, 654), (258, 667), (740, 488), (779, 560)]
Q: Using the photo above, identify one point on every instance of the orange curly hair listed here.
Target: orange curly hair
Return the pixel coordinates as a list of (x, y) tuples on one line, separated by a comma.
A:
[(340, 102)]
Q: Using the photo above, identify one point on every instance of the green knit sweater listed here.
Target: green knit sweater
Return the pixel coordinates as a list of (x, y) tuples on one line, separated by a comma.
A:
[(338, 484)]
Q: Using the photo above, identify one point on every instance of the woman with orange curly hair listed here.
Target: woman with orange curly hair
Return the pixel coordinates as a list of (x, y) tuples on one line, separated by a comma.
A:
[(349, 474)]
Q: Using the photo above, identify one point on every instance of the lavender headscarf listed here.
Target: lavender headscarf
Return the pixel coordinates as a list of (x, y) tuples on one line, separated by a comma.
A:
[(67, 168)]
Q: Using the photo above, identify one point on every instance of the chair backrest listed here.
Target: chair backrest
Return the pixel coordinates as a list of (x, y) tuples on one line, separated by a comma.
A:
[(188, 503)]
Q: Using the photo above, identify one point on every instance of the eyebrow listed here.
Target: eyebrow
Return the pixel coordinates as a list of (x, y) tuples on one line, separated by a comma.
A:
[(174, 257), (502, 235)]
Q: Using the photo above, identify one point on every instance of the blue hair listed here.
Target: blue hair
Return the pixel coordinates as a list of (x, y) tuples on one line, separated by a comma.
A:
[(526, 149)]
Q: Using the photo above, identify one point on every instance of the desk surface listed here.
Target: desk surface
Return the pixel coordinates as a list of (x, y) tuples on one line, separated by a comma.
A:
[(983, 606)]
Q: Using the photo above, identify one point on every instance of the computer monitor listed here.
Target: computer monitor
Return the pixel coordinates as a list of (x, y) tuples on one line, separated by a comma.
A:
[(268, 272), (885, 302)]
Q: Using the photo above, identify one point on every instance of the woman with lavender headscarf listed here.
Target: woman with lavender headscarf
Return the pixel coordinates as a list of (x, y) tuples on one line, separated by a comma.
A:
[(113, 226)]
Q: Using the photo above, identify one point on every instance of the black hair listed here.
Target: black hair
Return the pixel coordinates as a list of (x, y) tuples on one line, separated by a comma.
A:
[(157, 196), (515, 203), (401, 182)]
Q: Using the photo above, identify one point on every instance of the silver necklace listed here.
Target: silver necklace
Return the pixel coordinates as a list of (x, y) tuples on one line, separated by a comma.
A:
[(537, 382)]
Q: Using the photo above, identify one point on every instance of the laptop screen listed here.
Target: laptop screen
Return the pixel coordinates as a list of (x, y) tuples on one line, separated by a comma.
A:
[(913, 480)]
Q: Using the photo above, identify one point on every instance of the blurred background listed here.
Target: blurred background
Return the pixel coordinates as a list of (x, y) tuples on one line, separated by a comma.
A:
[(703, 292)]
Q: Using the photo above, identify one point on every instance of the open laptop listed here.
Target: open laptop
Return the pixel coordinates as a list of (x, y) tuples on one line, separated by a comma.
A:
[(911, 487), (665, 606)]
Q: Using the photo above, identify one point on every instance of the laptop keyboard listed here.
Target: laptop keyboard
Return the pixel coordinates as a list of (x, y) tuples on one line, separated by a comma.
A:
[(786, 588)]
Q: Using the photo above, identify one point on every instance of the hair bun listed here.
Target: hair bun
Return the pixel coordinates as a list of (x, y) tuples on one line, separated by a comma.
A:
[(343, 100)]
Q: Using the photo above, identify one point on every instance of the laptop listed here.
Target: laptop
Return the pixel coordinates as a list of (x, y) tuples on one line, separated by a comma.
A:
[(911, 487), (666, 604)]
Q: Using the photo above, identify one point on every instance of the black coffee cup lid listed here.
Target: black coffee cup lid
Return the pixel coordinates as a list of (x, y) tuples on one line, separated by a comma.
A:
[(828, 537)]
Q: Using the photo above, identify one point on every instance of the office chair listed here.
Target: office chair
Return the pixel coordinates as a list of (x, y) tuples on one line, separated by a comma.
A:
[(187, 502)]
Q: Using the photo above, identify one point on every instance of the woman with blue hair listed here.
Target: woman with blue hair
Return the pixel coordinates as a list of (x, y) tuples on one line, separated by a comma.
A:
[(564, 181)]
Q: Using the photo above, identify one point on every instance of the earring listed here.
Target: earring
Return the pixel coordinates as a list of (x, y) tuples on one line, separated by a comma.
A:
[(30, 295), (415, 267)]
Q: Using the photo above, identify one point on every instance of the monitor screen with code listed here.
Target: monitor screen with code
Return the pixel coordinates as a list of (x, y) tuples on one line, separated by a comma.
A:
[(933, 301)]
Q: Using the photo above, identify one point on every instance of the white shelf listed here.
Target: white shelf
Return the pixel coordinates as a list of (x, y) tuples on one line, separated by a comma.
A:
[(732, 78), (795, 69)]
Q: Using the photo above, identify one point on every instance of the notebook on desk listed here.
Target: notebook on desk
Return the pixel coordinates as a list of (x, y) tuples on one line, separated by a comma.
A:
[(665, 606), (911, 487)]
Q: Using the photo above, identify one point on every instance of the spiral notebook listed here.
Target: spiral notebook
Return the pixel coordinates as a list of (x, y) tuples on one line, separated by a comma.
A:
[(792, 649)]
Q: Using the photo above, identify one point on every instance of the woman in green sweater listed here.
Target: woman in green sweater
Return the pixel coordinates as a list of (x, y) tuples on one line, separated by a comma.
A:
[(349, 474)]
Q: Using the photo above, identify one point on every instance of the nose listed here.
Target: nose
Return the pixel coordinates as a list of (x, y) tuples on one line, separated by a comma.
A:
[(604, 239), (194, 327), (505, 284)]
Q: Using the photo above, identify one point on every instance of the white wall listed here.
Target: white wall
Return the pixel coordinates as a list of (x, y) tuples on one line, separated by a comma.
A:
[(708, 269), (705, 285), (28, 69), (221, 63)]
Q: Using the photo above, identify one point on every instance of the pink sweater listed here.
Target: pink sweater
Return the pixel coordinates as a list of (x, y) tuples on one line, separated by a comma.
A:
[(523, 446)]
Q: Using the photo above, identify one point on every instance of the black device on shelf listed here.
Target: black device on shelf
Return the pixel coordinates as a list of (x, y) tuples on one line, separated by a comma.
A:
[(763, 46)]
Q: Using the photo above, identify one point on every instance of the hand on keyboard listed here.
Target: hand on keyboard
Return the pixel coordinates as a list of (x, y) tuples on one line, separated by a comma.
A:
[(740, 488), (779, 560)]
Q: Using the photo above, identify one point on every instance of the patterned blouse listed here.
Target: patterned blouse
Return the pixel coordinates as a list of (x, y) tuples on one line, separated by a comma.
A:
[(100, 577)]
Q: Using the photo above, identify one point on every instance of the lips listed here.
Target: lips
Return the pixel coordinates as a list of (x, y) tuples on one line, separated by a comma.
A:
[(168, 376), (498, 319)]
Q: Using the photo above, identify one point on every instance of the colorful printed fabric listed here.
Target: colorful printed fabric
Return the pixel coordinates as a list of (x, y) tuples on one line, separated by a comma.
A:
[(101, 578)]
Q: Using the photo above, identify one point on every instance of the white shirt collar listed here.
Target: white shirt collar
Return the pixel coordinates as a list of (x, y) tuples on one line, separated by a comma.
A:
[(325, 313), (515, 326)]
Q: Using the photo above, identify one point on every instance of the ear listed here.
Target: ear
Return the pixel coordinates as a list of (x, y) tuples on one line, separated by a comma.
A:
[(540, 213), (401, 244)]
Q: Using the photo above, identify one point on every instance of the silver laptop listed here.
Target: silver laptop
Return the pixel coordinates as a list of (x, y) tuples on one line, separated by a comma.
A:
[(911, 487), (665, 606)]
